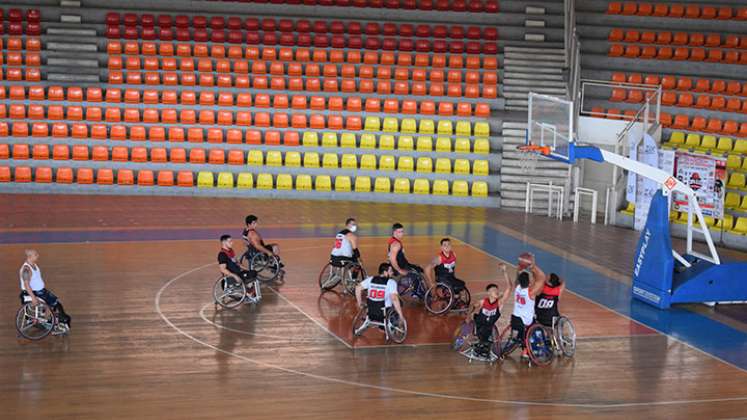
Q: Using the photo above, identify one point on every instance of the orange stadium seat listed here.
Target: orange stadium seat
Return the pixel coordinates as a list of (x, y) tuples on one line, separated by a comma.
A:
[(43, 175), (64, 176), (125, 177)]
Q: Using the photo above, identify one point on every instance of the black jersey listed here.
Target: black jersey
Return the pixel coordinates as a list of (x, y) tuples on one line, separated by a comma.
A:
[(546, 305)]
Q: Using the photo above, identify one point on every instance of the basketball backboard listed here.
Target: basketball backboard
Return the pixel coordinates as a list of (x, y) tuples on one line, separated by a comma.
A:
[(550, 123)]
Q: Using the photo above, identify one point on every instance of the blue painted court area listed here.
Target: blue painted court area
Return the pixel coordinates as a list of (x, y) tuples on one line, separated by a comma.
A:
[(703, 333)]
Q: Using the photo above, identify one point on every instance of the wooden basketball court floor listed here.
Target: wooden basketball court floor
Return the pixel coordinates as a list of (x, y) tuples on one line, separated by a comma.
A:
[(147, 342)]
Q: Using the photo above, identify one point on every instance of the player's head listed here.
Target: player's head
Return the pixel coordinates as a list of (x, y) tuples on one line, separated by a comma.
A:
[(351, 224), (554, 280), (226, 241), (492, 290), (385, 270), (446, 245), (32, 256), (251, 220), (523, 279), (398, 231)]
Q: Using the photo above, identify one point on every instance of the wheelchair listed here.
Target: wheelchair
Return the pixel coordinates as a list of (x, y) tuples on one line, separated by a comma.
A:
[(395, 329), (413, 284), (267, 266), (349, 273), (229, 293), (466, 343), (34, 322), (542, 342), (442, 298)]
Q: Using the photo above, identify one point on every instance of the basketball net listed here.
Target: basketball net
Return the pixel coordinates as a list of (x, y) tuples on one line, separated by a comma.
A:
[(529, 156)]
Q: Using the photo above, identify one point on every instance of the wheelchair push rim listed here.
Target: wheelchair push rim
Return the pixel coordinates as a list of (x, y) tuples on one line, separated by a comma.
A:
[(396, 327), (348, 280), (565, 336), (464, 306), (506, 342), (462, 336), (329, 277), (229, 292), (35, 322), (359, 321), (267, 267), (439, 299), (539, 345)]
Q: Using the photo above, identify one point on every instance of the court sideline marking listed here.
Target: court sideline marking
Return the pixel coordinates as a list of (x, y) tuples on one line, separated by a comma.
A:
[(157, 302)]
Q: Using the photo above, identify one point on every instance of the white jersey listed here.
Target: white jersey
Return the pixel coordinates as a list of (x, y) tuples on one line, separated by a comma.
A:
[(343, 247), (376, 290), (523, 305), (36, 282)]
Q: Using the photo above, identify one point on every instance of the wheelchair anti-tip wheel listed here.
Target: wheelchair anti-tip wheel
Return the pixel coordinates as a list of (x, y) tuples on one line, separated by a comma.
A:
[(396, 327), (539, 345), (34, 322), (359, 321), (229, 292), (266, 266), (565, 336), (329, 277), (438, 299)]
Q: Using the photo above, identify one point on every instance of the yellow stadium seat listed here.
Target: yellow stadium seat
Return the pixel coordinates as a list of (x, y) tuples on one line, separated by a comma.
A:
[(402, 186), (733, 162), (463, 128), (461, 145), (311, 160), (386, 163), (382, 185), (427, 127), (293, 159), (460, 188), (480, 167), (368, 141), (479, 189), (245, 180), (692, 140), (329, 139), (677, 137), (421, 186), (405, 143), (284, 182), (349, 161), (255, 158), (405, 164), (310, 139), (424, 164), (445, 128), (342, 183), (323, 183), (482, 129), (225, 180), (409, 126), (440, 187), (725, 144), (482, 146), (743, 205), (744, 165), (707, 143), (725, 223), (629, 209), (386, 142), (741, 226), (425, 144), (303, 182), (368, 162), (274, 158), (391, 125), (330, 161), (443, 166), (736, 180), (731, 201), (205, 180), (264, 182), (443, 144), (372, 124), (348, 140), (740, 146), (362, 184), (461, 167)]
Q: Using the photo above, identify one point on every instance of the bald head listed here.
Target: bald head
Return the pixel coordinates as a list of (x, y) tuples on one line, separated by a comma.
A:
[(31, 255)]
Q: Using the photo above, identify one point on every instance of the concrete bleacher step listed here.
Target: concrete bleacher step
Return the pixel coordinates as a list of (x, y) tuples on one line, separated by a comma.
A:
[(73, 78), (528, 69), (67, 46), (64, 31), (69, 3), (553, 77), (71, 18), (533, 83), (72, 62), (536, 88)]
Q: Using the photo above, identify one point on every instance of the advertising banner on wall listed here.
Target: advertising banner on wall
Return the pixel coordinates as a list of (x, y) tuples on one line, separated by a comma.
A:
[(640, 189), (706, 175)]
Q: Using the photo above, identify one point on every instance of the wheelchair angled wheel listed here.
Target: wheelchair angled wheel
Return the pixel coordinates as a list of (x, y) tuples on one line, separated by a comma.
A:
[(438, 299), (461, 303), (352, 274), (34, 322), (229, 292), (396, 327), (565, 336), (539, 345), (507, 342), (266, 266), (464, 336), (360, 321), (329, 277)]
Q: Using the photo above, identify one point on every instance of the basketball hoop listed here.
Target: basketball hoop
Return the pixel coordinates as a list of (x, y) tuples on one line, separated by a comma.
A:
[(529, 156)]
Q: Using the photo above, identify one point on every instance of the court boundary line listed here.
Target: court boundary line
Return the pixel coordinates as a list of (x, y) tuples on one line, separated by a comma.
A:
[(157, 302)]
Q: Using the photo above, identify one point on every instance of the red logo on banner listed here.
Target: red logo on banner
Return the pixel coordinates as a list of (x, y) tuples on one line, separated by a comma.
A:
[(670, 183)]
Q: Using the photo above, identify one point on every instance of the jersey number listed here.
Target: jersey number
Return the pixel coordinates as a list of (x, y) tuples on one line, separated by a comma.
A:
[(376, 294), (520, 300), (545, 303), (338, 243)]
